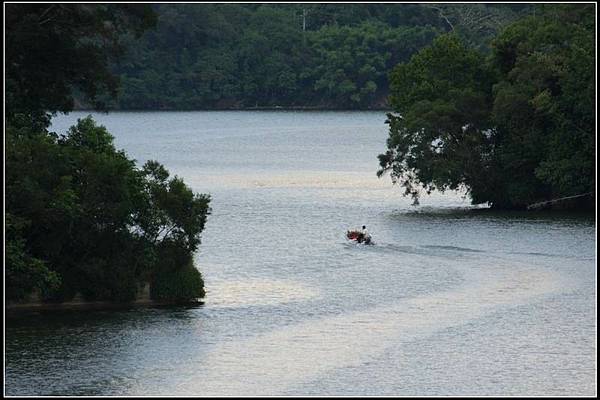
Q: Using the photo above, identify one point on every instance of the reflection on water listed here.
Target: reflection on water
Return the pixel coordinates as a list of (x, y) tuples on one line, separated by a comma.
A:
[(257, 292), (453, 300)]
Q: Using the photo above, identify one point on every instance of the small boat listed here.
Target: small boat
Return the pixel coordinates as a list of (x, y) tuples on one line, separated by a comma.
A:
[(359, 237)]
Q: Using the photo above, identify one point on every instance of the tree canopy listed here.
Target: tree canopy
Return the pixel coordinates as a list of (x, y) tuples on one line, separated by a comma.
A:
[(513, 126), (56, 50), (81, 217)]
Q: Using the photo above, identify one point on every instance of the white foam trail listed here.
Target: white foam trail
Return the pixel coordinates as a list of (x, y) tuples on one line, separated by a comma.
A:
[(268, 364)]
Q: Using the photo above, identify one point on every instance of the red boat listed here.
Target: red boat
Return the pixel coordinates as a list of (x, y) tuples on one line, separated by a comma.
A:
[(359, 237)]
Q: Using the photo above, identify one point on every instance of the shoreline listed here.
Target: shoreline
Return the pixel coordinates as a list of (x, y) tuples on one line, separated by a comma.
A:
[(266, 108), (18, 309), (34, 304)]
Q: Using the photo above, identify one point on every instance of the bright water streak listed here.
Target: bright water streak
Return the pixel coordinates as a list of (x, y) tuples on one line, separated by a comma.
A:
[(451, 300)]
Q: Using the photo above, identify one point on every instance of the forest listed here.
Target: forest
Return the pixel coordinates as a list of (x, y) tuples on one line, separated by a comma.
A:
[(323, 56)]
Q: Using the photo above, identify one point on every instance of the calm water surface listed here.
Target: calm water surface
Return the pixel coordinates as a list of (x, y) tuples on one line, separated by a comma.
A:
[(451, 301)]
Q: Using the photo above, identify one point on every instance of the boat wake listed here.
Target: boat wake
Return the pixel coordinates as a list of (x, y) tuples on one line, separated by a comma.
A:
[(315, 347)]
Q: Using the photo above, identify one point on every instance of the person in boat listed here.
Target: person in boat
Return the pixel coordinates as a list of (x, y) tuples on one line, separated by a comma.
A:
[(366, 237)]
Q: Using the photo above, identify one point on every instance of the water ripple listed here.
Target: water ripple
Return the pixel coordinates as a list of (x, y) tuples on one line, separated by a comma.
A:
[(304, 351)]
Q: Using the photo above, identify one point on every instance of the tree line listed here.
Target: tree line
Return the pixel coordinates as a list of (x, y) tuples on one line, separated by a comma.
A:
[(215, 56)]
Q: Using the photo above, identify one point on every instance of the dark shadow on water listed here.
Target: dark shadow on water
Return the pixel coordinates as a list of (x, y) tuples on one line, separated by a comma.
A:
[(445, 251), (75, 317), (488, 214), (579, 216), (453, 248), (425, 250)]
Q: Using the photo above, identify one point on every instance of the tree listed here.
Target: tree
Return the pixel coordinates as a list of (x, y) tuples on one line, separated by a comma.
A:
[(544, 104), (52, 50), (439, 135), (514, 128), (93, 219), (351, 63), (81, 217), (478, 24)]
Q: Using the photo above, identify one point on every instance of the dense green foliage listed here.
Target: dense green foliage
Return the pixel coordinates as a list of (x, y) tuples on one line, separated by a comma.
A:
[(80, 216), (23, 272), (443, 95), (53, 50), (513, 127), (95, 220), (204, 56), (177, 282)]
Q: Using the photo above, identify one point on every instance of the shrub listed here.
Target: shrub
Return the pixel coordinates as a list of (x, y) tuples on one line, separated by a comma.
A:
[(181, 284)]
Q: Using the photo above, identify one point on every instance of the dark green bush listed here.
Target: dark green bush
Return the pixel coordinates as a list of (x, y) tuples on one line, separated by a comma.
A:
[(179, 285)]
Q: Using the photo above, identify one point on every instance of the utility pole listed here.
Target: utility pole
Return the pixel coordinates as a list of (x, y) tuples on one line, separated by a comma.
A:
[(303, 19)]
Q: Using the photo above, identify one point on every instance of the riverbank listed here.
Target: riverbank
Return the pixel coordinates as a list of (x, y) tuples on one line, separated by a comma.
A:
[(34, 304), (233, 108)]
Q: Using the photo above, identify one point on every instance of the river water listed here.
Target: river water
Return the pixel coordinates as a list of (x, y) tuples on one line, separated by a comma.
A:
[(452, 299)]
